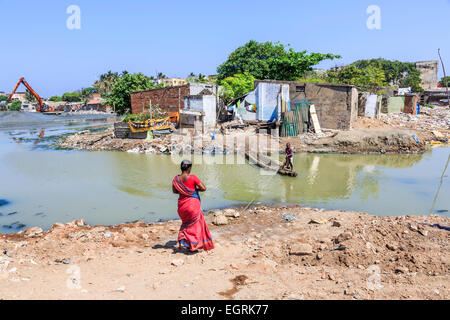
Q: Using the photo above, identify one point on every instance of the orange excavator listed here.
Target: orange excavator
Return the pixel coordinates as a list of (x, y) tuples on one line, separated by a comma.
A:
[(42, 107)]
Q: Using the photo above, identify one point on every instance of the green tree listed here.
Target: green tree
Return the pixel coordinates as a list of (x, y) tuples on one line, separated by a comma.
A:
[(3, 102), (160, 76), (55, 98), (15, 106), (120, 97), (193, 78), (74, 96), (87, 92), (445, 81), (369, 78), (397, 73), (236, 86), (105, 82), (270, 61), (29, 96)]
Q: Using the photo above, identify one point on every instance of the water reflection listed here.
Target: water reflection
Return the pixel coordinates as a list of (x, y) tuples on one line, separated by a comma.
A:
[(45, 185), (322, 178)]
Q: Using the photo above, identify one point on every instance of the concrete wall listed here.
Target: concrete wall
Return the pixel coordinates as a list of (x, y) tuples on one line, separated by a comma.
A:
[(371, 106), (428, 73), (170, 82), (202, 103), (336, 105), (354, 103), (395, 104), (197, 88)]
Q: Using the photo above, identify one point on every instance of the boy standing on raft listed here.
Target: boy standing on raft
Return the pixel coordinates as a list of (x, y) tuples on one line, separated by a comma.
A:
[(289, 157)]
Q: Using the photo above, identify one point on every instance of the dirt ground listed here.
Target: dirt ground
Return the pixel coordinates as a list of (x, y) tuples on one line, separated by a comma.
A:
[(261, 253), (364, 141)]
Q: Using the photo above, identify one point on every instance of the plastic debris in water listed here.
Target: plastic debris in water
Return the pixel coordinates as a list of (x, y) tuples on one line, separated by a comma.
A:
[(3, 202)]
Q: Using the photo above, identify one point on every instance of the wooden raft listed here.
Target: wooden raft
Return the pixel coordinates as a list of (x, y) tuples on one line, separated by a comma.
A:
[(261, 161)]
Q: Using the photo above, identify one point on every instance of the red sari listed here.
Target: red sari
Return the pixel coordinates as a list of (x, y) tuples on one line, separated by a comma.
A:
[(194, 232)]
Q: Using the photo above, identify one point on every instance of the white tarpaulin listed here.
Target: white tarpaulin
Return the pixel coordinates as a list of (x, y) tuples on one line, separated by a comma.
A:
[(371, 106)]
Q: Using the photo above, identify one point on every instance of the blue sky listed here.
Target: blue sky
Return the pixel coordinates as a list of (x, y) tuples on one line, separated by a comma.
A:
[(178, 37)]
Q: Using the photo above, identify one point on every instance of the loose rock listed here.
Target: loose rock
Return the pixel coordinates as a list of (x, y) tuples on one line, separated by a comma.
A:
[(177, 262), (220, 220), (32, 232), (344, 237), (301, 249)]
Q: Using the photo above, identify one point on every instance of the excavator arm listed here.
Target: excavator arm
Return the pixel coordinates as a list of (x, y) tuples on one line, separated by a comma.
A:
[(15, 88), (38, 98)]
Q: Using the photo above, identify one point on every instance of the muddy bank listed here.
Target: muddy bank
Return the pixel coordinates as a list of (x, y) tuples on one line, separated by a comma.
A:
[(352, 142), (391, 133), (261, 253), (362, 141)]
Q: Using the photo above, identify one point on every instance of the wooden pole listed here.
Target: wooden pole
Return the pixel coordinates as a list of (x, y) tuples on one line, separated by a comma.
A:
[(445, 77), (179, 108)]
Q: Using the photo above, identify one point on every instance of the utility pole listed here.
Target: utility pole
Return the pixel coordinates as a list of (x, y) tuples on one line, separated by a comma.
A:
[(445, 77), (179, 108)]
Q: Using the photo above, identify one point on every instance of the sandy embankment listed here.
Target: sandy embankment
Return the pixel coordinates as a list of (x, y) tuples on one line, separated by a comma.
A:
[(258, 255)]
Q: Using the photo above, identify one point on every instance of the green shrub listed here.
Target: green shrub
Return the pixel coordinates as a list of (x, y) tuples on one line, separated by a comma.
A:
[(15, 106), (157, 113)]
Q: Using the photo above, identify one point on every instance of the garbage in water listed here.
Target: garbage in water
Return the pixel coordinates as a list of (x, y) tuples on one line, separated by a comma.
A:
[(3, 202)]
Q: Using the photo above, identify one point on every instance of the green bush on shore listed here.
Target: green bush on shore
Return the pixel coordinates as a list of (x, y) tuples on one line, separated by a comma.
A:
[(156, 113)]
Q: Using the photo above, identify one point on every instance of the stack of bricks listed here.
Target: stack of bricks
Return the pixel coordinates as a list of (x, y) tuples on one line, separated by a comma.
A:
[(167, 98)]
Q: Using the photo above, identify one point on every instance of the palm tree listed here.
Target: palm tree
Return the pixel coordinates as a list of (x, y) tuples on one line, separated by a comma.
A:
[(106, 82), (160, 75)]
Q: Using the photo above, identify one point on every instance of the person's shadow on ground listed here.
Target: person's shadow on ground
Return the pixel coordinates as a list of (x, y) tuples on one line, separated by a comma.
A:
[(175, 249)]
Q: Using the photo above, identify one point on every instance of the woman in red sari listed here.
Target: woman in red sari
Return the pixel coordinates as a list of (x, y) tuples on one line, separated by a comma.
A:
[(194, 233)]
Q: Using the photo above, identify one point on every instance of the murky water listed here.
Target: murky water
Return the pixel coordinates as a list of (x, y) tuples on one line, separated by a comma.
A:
[(40, 185)]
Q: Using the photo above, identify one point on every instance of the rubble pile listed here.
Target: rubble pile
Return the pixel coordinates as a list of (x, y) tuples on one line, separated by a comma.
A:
[(429, 120), (311, 136), (185, 143)]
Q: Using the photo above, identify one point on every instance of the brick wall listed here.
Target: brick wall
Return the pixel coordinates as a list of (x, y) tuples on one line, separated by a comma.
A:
[(167, 98)]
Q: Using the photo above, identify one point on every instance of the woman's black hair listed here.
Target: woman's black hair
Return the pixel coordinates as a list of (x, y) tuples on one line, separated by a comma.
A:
[(185, 165)]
